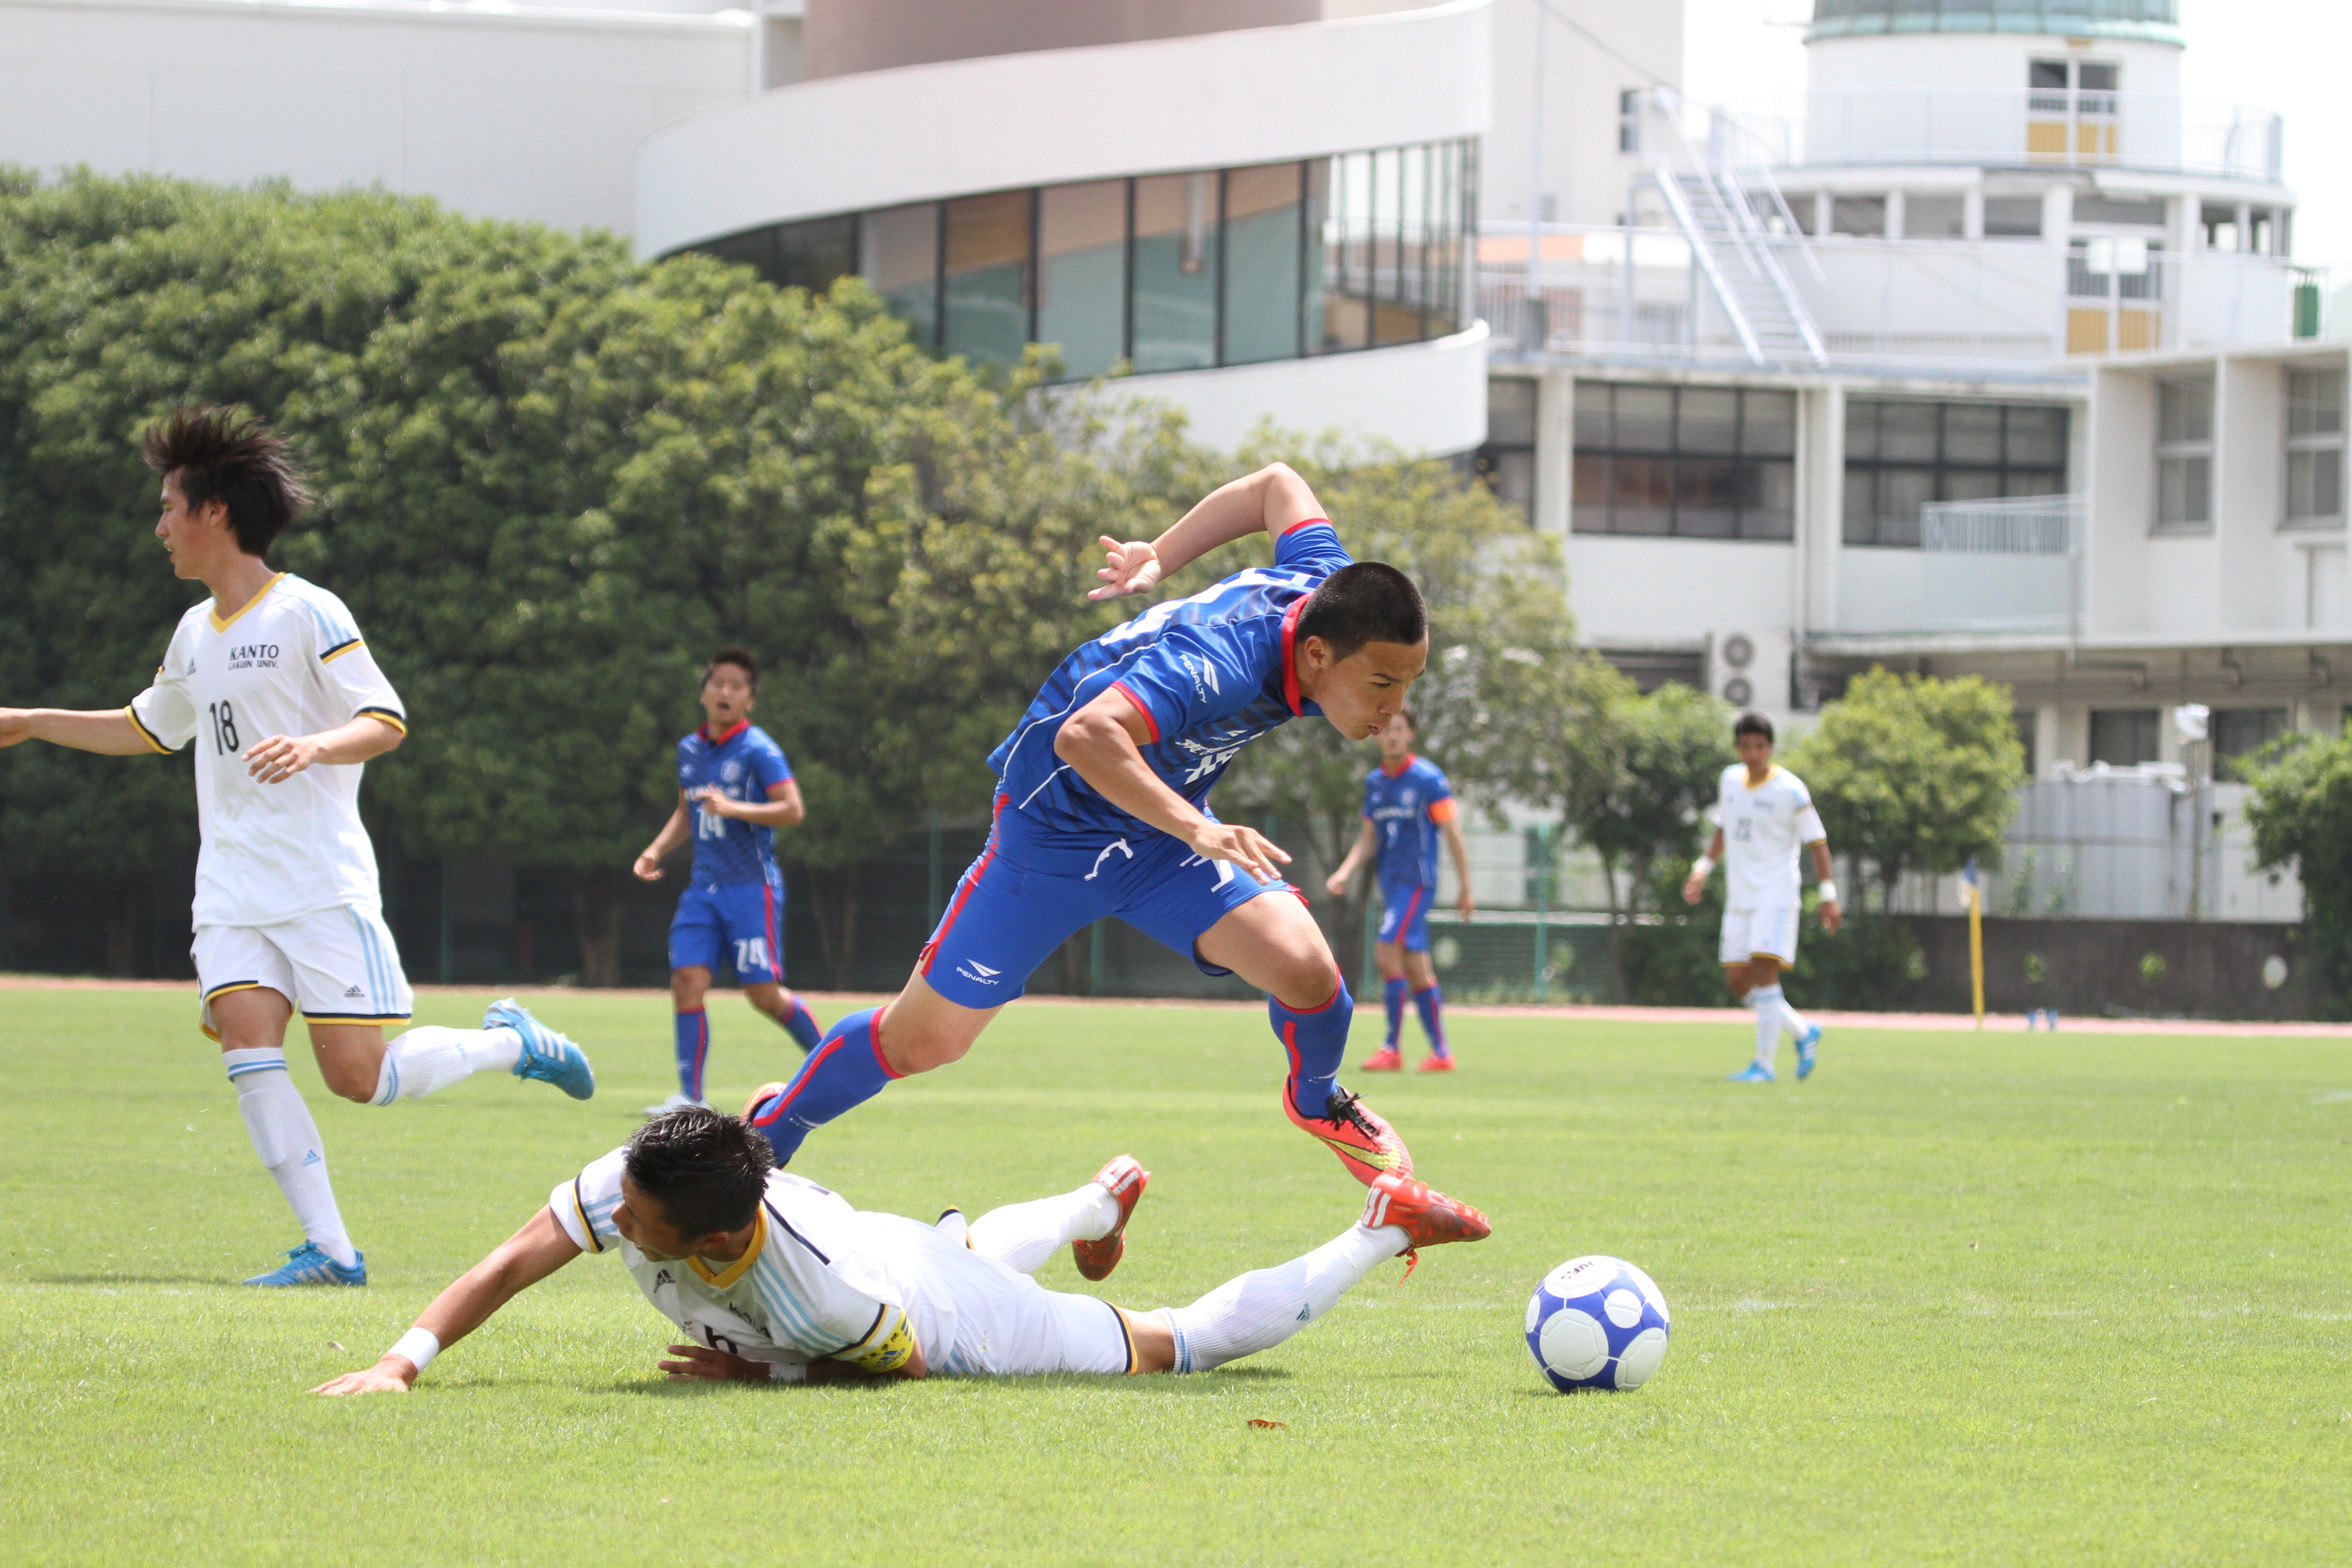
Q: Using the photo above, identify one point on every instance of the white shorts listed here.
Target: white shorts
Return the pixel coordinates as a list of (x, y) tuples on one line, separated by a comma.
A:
[(1760, 933), (338, 967), (979, 1317)]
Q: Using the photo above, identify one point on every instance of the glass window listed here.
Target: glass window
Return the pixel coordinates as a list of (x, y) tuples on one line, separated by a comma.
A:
[(1935, 217), (2184, 454), (1507, 461), (1262, 234), (2315, 447), (1175, 272), (987, 315), (1863, 215), (898, 256), (1901, 454), (2123, 737), (1082, 274), (2013, 217), (1698, 462), (1337, 306), (2242, 732), (2142, 214), (812, 255)]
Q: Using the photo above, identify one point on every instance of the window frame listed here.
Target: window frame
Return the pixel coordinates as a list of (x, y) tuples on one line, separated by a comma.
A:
[(1942, 465), (2186, 452), (1751, 468), (2315, 445)]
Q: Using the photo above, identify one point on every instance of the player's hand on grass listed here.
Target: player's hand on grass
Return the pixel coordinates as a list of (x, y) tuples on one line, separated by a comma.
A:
[(1133, 567), (280, 757), (1245, 847), (714, 1366), (1833, 917), (393, 1375)]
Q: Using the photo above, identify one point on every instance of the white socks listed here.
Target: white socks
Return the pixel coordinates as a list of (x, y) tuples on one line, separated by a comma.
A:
[(429, 1058), (287, 1142), (1024, 1236), (1261, 1310), (1768, 1005)]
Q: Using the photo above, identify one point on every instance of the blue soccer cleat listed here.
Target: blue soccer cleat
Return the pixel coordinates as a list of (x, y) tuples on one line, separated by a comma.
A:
[(546, 1055), (1805, 1044), (1754, 1072), (306, 1265)]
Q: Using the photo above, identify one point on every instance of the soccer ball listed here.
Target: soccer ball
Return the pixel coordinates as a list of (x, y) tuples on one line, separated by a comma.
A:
[(1597, 1322)]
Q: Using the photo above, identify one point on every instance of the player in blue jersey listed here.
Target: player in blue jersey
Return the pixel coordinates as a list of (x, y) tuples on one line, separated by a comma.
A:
[(1408, 808), (734, 790), (1101, 809)]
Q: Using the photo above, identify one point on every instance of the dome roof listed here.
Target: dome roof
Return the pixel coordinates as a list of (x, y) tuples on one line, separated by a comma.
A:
[(2155, 21)]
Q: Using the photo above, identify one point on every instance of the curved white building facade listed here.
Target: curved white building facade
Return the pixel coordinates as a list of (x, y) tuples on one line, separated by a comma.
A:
[(1266, 222)]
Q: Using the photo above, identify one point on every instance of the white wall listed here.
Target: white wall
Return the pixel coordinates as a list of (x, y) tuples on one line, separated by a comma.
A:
[(1428, 399), (1976, 62), (1583, 173), (964, 126), (515, 115)]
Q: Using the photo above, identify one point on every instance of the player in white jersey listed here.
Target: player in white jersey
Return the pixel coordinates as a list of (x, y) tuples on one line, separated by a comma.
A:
[(1764, 820), (775, 1279), (273, 682)]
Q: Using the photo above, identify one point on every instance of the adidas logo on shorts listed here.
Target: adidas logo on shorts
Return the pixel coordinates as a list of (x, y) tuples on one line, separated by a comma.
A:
[(354, 991)]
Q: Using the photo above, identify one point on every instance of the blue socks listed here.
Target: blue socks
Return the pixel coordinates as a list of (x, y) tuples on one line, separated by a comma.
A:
[(1314, 1042), (693, 1049), (801, 1025), (1426, 1004), (1393, 996), (844, 1072)]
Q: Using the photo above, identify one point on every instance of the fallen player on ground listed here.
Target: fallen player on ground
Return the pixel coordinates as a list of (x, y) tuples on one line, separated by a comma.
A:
[(775, 1279)]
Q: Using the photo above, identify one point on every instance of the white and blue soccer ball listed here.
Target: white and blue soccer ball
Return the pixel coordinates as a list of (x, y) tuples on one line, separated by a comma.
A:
[(1597, 1322)]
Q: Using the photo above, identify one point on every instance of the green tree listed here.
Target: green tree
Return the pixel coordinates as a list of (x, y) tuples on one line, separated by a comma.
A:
[(1913, 774), (2301, 812)]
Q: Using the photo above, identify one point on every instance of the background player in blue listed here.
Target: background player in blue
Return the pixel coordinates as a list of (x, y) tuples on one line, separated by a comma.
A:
[(1100, 810), (734, 790), (1408, 807)]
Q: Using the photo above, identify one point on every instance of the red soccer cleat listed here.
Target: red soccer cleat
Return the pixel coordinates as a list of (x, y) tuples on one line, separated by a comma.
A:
[(1387, 1059), (1367, 1145), (761, 1095), (1435, 1063), (1427, 1218), (1124, 1180)]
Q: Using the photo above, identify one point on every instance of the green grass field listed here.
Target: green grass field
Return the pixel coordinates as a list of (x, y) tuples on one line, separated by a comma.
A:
[(1959, 1299)]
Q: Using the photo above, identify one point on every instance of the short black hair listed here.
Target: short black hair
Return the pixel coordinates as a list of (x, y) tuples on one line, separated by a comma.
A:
[(1364, 602), (1752, 723), (220, 455), (706, 1170), (739, 659)]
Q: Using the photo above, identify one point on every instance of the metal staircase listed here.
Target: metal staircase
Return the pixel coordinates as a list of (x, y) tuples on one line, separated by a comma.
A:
[(1710, 201)]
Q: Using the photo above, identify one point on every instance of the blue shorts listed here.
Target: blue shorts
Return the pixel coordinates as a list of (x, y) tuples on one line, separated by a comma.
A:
[(1404, 916), (1022, 899), (743, 921)]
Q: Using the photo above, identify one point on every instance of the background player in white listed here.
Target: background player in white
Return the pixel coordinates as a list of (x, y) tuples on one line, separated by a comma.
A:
[(778, 1279), (271, 679), (1764, 816)]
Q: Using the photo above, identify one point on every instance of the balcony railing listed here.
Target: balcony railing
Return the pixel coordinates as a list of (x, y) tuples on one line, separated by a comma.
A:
[(2148, 131), (2013, 307), (2012, 566)]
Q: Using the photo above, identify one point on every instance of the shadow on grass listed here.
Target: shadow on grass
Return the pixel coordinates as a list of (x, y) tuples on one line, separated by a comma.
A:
[(1150, 1384)]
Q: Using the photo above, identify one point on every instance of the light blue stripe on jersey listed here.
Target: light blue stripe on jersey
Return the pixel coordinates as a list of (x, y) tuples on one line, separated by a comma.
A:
[(785, 1311)]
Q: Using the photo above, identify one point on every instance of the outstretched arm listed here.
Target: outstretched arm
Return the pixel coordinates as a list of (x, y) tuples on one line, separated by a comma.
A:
[(1336, 884), (1267, 502), (521, 1261), (111, 733)]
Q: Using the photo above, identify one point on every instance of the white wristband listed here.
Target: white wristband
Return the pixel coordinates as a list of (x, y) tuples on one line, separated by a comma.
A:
[(787, 1372), (419, 1346), (1702, 866), (1829, 891)]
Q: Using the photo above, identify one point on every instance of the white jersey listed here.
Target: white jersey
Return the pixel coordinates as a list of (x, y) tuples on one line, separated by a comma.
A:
[(289, 663), (1763, 830), (820, 1279)]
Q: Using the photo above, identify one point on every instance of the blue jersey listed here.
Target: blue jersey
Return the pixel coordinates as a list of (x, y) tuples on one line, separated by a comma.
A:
[(1209, 674), (744, 764), (1405, 808)]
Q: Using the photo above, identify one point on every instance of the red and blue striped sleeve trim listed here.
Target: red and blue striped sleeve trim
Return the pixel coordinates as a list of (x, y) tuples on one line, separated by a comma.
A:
[(1141, 707)]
